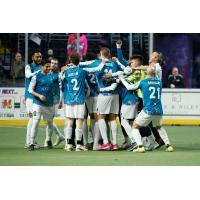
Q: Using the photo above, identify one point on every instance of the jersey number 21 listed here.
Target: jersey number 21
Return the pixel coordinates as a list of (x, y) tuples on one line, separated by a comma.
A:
[(153, 93)]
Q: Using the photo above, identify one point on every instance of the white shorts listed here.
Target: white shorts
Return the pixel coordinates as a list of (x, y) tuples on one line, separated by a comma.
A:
[(91, 103), (144, 119), (29, 105), (46, 112), (75, 111), (129, 111), (107, 104)]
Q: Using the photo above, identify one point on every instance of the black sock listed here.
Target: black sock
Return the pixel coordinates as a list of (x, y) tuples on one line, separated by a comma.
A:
[(79, 142), (69, 141)]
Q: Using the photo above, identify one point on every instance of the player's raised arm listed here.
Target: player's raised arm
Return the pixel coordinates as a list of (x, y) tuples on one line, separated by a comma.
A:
[(28, 72), (120, 54), (130, 86)]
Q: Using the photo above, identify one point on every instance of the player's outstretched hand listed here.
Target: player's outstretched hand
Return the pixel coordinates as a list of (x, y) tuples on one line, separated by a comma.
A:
[(119, 43), (64, 68), (115, 59), (42, 98), (121, 77)]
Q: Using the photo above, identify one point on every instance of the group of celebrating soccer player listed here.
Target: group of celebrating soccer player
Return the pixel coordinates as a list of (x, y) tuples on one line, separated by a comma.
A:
[(103, 89)]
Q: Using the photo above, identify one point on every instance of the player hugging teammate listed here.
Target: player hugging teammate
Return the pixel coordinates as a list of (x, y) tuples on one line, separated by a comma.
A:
[(102, 88)]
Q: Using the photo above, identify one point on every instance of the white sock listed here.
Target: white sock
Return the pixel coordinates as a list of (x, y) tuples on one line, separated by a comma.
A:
[(151, 139), (49, 130), (137, 137), (113, 125), (79, 133), (85, 132), (163, 134), (103, 130), (34, 130), (28, 132), (128, 129), (96, 134), (68, 133), (56, 130)]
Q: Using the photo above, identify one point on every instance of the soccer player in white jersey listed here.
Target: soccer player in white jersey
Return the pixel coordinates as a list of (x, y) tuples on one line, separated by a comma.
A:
[(74, 84), (41, 87), (152, 111), (30, 70), (57, 99)]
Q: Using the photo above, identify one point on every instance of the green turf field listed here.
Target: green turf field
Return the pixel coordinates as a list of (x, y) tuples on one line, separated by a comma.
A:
[(185, 139)]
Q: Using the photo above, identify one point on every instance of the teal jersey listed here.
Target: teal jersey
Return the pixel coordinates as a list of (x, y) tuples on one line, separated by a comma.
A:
[(74, 86), (127, 97), (57, 85), (151, 91), (109, 66), (43, 86)]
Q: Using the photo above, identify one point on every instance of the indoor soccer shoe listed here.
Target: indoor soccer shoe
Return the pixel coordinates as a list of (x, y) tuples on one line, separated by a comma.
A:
[(169, 149), (104, 147), (31, 147), (139, 150), (68, 147), (49, 144), (59, 140), (81, 148), (114, 147), (131, 146)]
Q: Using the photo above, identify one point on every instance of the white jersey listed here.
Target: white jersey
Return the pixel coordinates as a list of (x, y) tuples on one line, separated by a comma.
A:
[(158, 70)]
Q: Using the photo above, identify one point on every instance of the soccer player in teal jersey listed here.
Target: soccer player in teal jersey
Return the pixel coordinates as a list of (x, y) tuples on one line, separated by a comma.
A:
[(152, 108), (41, 87), (57, 95), (30, 70), (74, 85)]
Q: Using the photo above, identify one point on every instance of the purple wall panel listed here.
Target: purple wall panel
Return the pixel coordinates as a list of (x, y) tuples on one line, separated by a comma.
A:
[(177, 49)]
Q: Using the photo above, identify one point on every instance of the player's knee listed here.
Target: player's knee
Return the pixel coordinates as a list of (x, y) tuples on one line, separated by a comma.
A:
[(101, 117), (135, 125), (112, 117), (95, 117)]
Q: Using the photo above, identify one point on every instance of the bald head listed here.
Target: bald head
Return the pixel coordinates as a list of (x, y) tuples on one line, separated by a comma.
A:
[(151, 70)]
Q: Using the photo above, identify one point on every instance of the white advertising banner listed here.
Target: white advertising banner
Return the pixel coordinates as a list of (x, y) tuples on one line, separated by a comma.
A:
[(177, 104), (181, 102)]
